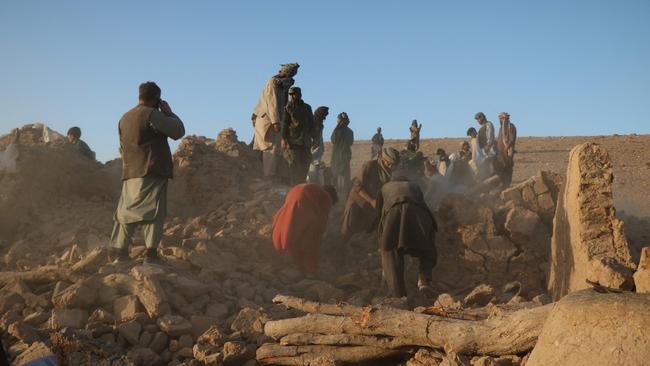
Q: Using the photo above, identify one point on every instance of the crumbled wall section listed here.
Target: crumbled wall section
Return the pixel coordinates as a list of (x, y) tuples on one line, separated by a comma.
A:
[(588, 240)]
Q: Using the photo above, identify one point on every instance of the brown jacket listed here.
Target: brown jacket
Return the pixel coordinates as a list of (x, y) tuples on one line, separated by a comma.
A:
[(144, 150)]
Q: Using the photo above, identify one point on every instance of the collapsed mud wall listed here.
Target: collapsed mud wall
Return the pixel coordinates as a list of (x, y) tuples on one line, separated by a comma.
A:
[(588, 241), (496, 241)]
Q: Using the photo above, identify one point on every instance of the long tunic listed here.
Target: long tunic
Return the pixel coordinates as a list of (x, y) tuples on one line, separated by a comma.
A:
[(405, 220), (342, 139), (299, 225), (270, 110), (359, 215), (145, 199)]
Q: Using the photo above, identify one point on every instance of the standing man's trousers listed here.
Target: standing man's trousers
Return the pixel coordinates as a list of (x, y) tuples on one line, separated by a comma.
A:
[(392, 262)]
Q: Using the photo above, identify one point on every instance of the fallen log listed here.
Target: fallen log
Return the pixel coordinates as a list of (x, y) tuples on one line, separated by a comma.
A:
[(275, 354), (304, 339), (508, 334), (41, 275)]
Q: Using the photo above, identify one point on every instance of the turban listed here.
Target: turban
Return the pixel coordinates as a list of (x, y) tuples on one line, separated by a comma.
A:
[(390, 155), (290, 69), (504, 114)]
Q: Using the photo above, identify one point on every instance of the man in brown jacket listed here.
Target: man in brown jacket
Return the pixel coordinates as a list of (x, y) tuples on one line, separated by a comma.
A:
[(406, 226), (146, 167)]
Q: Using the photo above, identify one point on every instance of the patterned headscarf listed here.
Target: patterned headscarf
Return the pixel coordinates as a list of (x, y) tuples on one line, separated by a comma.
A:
[(388, 156), (342, 119), (290, 69)]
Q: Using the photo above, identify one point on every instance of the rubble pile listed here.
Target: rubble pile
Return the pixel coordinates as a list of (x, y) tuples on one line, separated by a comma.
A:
[(497, 240), (212, 302)]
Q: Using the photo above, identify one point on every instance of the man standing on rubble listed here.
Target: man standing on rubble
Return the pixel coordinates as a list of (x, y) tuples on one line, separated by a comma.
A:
[(299, 225), (298, 136), (74, 140), (485, 135), (146, 167), (377, 144), (342, 139), (406, 226), (505, 160), (268, 116)]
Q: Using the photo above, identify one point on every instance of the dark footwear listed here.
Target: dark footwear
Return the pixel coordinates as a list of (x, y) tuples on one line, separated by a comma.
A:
[(151, 258), (118, 255)]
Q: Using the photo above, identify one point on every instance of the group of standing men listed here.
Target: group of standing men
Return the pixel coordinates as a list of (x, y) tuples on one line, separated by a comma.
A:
[(289, 135)]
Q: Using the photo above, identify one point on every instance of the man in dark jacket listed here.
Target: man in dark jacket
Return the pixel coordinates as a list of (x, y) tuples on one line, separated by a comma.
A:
[(298, 136), (406, 226), (146, 167)]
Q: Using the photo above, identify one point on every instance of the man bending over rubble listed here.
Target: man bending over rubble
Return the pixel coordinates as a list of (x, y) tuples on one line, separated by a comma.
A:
[(146, 167), (299, 225), (406, 226)]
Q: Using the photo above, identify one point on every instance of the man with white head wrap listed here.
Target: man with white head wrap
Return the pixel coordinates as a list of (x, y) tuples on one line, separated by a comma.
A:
[(268, 115), (506, 149)]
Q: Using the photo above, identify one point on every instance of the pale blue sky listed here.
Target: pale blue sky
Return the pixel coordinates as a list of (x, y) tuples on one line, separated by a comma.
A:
[(558, 67)]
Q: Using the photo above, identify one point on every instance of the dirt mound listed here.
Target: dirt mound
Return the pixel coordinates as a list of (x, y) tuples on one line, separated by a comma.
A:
[(31, 135), (52, 198), (210, 174)]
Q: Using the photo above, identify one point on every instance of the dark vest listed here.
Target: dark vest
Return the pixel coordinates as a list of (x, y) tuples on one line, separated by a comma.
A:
[(144, 150)]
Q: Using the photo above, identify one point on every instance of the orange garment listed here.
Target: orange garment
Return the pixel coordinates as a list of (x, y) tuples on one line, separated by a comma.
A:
[(299, 225)]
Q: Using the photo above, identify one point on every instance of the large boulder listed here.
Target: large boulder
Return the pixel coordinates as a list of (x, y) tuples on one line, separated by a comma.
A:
[(588, 240), (587, 328), (642, 275)]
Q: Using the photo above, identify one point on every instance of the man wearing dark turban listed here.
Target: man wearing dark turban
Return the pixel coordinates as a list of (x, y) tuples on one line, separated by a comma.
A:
[(342, 139), (298, 135)]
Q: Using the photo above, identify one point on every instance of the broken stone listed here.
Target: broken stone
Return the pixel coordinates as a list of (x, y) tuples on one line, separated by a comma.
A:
[(37, 318), (126, 307), (585, 226), (250, 323), (521, 222), (63, 318), (642, 274), (481, 295), (174, 325), (144, 356), (447, 301), (207, 354), (212, 337), (237, 352), (25, 333), (80, 295), (200, 324), (159, 342), (185, 341), (130, 331), (102, 316), (145, 339), (34, 352), (9, 301)]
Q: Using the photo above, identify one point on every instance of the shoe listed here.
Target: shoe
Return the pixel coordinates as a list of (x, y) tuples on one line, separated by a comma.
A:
[(151, 258), (118, 255)]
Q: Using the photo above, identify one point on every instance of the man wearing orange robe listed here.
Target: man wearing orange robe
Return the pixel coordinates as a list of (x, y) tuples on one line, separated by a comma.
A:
[(299, 225)]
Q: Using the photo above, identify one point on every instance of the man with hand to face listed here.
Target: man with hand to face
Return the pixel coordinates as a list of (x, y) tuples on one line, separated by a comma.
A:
[(146, 167)]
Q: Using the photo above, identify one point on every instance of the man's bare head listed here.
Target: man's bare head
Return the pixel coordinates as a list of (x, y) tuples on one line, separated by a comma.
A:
[(480, 118), (149, 94), (74, 134)]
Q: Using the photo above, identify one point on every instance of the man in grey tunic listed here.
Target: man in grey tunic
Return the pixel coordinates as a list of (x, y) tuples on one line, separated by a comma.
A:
[(146, 167), (268, 115)]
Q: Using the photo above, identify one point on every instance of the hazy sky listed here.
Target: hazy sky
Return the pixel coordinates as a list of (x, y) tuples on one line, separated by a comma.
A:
[(558, 67)]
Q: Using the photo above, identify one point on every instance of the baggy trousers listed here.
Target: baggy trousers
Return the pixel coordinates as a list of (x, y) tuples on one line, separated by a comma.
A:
[(392, 262)]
